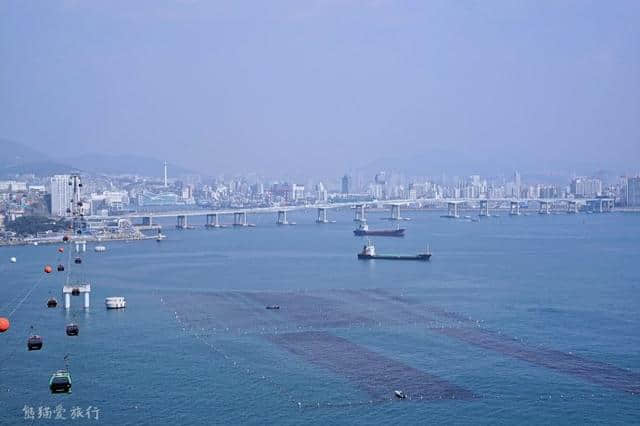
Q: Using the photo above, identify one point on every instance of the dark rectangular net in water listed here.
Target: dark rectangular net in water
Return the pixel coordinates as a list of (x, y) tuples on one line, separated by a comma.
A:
[(593, 371), (376, 374)]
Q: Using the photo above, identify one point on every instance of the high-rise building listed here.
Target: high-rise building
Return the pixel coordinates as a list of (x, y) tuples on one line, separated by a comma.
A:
[(633, 191), (61, 195), (297, 192), (321, 193), (346, 184), (585, 187)]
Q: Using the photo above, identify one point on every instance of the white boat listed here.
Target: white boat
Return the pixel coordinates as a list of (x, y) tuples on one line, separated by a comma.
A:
[(13, 260), (400, 394), (116, 302), (100, 248)]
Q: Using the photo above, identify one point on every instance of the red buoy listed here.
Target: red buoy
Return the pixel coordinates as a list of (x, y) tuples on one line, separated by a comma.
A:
[(61, 249), (48, 269), (4, 324)]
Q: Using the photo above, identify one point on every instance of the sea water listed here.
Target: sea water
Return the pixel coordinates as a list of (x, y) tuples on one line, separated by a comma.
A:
[(530, 319)]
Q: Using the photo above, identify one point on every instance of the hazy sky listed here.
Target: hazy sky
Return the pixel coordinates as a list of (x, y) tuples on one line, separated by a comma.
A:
[(325, 86)]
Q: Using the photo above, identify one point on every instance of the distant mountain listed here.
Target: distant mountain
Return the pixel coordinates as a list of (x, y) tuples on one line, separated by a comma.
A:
[(117, 164), (16, 158)]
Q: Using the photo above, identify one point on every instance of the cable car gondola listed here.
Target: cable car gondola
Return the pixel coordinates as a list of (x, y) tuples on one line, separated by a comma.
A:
[(72, 330), (60, 382), (34, 343), (78, 260), (60, 267), (52, 302)]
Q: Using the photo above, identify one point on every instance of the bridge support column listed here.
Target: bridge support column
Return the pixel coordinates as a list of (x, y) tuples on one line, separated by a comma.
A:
[(322, 215), (359, 213), (452, 210), (181, 222), (212, 221), (240, 219), (282, 217), (81, 246), (395, 212), (484, 208), (514, 208), (545, 207)]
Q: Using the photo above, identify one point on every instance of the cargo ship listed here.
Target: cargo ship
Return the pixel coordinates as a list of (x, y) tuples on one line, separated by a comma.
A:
[(363, 230), (369, 252)]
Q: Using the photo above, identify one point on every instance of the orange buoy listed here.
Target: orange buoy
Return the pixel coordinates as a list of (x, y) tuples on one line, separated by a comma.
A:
[(61, 249), (48, 269), (4, 324)]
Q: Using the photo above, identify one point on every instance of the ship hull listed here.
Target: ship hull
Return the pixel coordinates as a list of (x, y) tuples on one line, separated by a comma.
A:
[(421, 257), (380, 233)]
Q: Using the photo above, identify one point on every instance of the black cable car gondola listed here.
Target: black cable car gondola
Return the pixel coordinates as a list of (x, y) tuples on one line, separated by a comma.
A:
[(75, 291), (78, 260), (72, 330), (34, 343), (60, 267), (52, 302)]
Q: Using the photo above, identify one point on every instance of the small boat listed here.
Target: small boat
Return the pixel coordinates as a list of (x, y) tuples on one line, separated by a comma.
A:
[(60, 267), (60, 382), (13, 260), (369, 253), (99, 249), (116, 302), (273, 307), (34, 343), (52, 302), (72, 329), (400, 394), (77, 260)]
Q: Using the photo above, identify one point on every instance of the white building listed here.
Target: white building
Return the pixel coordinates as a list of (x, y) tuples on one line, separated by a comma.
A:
[(586, 187), (61, 195)]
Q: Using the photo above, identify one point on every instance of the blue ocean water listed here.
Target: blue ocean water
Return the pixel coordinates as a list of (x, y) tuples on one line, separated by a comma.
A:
[(531, 319)]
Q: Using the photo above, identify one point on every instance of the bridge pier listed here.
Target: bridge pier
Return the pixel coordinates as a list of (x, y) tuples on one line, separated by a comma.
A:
[(212, 221), (322, 215), (282, 217), (545, 207), (359, 214), (395, 212), (484, 208), (572, 207), (452, 210), (514, 208), (240, 219), (181, 222)]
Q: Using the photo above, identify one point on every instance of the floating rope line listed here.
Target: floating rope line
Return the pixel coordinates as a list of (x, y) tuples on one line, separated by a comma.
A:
[(252, 373)]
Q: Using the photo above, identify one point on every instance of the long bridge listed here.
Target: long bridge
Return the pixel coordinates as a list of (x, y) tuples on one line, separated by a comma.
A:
[(569, 205)]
